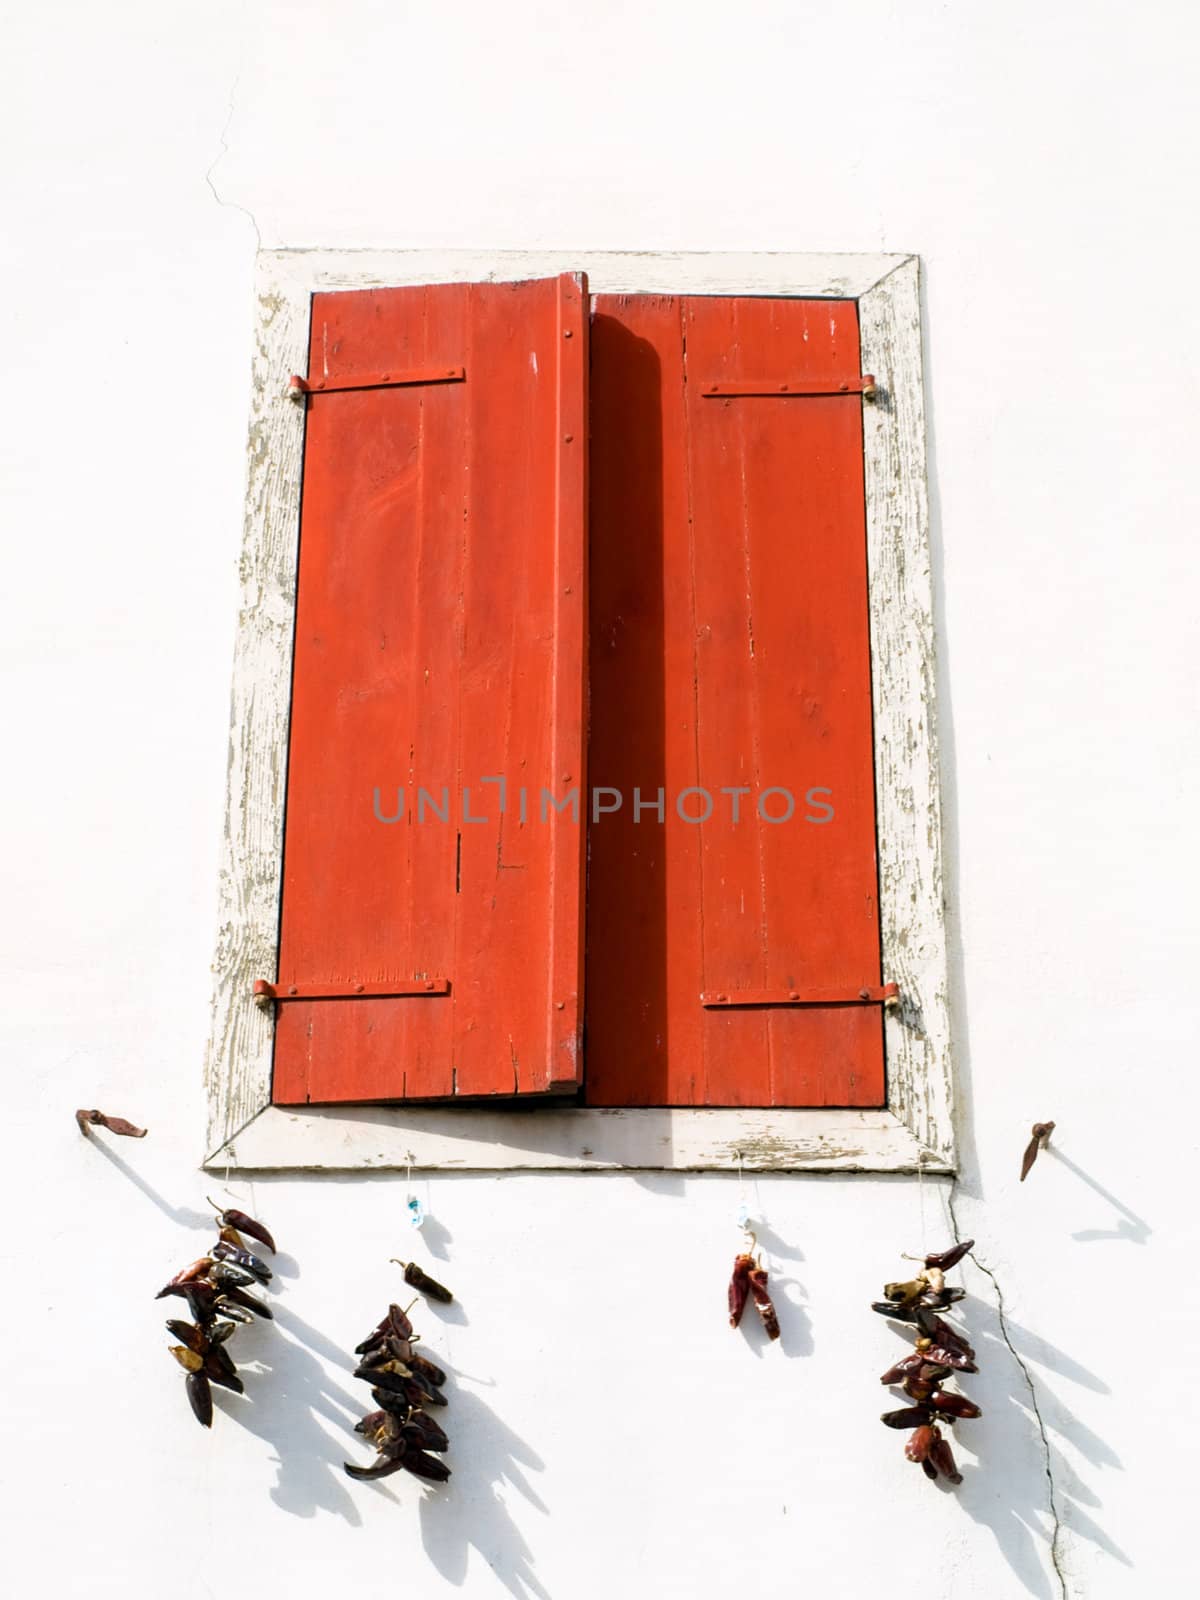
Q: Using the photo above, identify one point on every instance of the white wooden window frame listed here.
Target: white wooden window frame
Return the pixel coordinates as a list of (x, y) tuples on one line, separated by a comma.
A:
[(915, 1132)]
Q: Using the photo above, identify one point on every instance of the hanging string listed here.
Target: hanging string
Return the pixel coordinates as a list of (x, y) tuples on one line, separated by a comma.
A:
[(416, 1211), (230, 1155), (743, 1217)]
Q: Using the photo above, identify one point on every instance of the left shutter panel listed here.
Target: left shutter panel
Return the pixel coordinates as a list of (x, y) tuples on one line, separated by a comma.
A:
[(440, 626)]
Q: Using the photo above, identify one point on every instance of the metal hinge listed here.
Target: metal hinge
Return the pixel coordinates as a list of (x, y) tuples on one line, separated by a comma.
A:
[(726, 389), (887, 994), (299, 389), (267, 994)]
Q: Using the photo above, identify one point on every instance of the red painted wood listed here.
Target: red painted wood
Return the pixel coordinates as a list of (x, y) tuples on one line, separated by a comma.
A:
[(729, 646), (442, 525)]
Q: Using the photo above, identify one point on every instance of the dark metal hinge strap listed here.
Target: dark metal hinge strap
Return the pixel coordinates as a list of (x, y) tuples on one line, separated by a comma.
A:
[(267, 994), (887, 994), (726, 389), (301, 388)]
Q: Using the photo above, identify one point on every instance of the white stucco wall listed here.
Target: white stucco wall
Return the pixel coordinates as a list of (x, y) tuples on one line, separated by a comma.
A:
[(610, 1434)]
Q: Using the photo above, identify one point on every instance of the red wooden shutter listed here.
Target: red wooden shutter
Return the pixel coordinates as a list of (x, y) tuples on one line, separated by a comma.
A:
[(439, 642), (729, 648)]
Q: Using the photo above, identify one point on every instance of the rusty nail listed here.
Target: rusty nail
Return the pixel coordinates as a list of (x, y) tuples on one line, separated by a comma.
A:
[(358, 988), (291, 988), (793, 994), (568, 437), (560, 1005), (864, 994), (567, 332)]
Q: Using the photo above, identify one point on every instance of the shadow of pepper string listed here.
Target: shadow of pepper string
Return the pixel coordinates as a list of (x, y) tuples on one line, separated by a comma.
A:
[(940, 1351)]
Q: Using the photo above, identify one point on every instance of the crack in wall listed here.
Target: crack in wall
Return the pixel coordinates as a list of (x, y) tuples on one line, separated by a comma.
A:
[(231, 205), (1055, 1519)]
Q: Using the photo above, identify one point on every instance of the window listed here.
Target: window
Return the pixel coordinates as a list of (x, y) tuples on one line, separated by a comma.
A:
[(759, 652)]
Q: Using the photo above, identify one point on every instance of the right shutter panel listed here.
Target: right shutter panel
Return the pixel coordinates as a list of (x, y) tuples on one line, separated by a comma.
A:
[(730, 649)]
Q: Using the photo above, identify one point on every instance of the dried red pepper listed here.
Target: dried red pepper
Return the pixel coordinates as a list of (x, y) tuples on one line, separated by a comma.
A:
[(739, 1288), (940, 1351), (421, 1280), (239, 1222), (762, 1301), (945, 1259), (942, 1457)]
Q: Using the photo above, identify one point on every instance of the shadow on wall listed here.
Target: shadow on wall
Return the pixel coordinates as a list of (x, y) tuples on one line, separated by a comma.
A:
[(476, 1514), (183, 1215), (296, 1395), (287, 1389), (1026, 1513), (997, 1491), (283, 1404), (490, 1454)]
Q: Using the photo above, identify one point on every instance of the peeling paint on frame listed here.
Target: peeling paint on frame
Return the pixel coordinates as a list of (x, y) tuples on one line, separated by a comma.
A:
[(916, 1130)]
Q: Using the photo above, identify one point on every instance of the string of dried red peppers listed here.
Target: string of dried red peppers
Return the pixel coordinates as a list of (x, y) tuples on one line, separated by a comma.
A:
[(405, 1383), (215, 1290), (940, 1351)]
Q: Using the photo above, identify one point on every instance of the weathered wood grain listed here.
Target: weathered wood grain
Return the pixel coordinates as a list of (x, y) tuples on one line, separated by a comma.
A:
[(238, 1066), (920, 1087), (582, 1139)]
